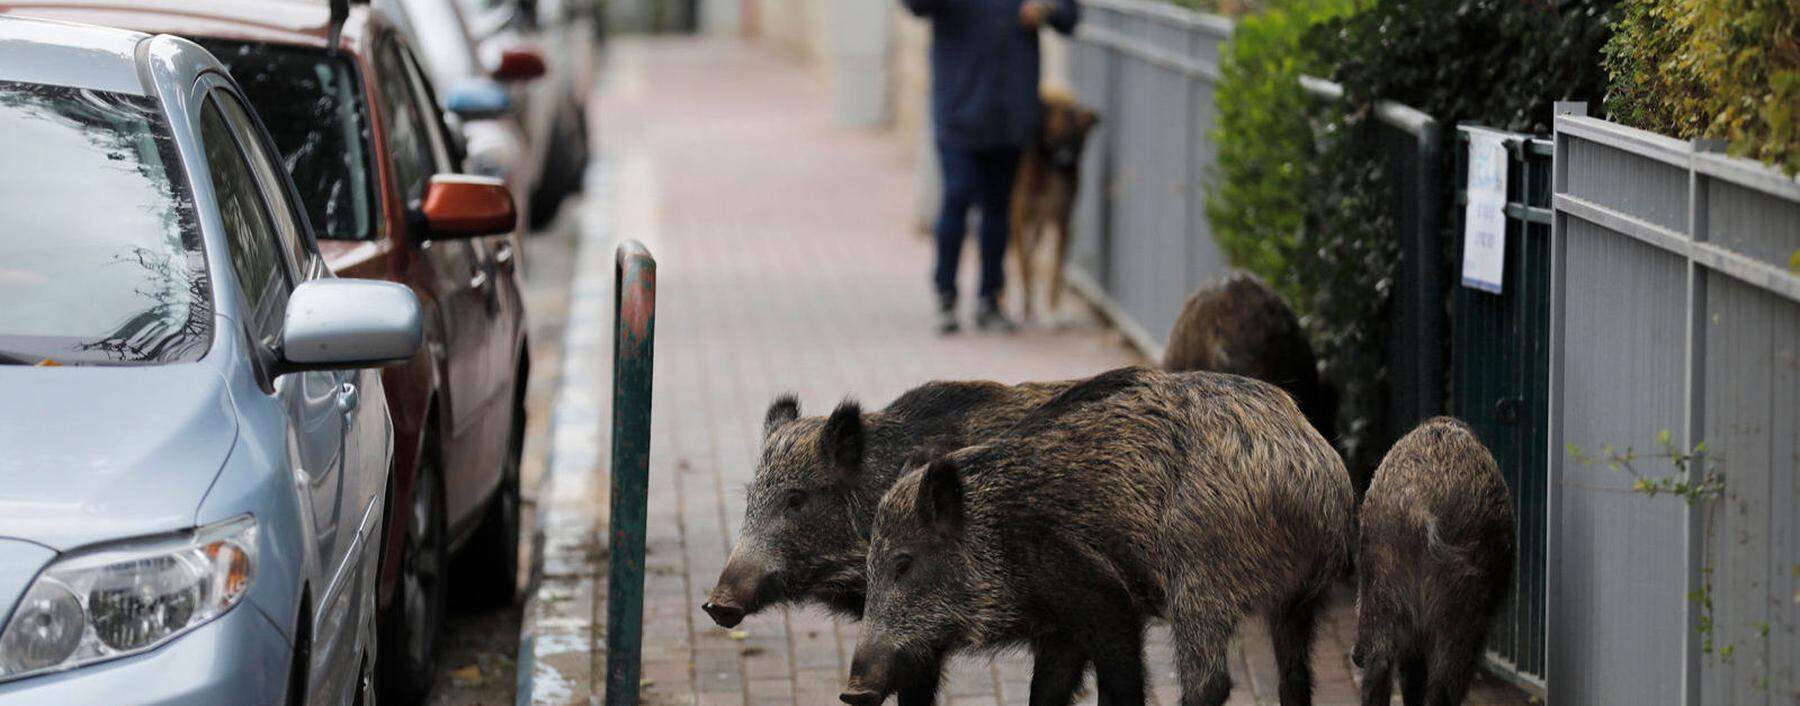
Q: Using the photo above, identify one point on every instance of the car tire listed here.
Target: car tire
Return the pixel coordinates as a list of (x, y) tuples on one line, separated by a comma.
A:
[(564, 167), (488, 566), (412, 624)]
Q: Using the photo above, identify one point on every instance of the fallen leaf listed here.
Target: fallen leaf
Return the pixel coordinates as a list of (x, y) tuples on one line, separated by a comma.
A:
[(739, 634), (467, 676)]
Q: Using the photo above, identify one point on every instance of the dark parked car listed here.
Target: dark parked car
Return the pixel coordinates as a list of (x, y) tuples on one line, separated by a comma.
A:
[(361, 133)]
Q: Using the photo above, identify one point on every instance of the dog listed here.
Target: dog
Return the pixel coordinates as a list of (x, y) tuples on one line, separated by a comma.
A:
[(1044, 193)]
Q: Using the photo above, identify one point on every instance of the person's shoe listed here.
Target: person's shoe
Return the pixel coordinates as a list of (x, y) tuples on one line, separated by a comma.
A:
[(989, 317), (947, 323)]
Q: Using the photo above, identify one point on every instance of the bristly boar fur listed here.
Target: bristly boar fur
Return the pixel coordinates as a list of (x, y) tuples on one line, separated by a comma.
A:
[(814, 493), (1243, 327), (1436, 556), (1197, 497)]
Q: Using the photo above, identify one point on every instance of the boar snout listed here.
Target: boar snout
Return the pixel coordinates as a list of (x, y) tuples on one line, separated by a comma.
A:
[(860, 697), (744, 588), (870, 673), (727, 616)]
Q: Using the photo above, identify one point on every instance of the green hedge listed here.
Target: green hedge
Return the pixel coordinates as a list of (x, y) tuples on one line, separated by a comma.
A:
[(1301, 197), (1711, 68)]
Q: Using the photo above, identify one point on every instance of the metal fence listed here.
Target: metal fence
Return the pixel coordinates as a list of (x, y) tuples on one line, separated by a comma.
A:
[(1411, 151), (1499, 381), (1675, 304), (1142, 242)]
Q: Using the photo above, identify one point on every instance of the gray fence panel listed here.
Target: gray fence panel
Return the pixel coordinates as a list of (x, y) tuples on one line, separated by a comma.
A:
[(1681, 311), (1091, 69), (1618, 307), (1752, 416), (1149, 68), (1752, 222)]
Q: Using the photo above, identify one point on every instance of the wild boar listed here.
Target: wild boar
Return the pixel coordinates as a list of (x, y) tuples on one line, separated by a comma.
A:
[(1436, 556), (1241, 326), (813, 498), (816, 484), (1199, 498)]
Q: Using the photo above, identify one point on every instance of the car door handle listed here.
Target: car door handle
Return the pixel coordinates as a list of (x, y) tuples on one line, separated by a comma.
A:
[(347, 397)]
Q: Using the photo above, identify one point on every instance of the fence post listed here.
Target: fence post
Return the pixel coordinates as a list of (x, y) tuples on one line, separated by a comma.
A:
[(634, 336)]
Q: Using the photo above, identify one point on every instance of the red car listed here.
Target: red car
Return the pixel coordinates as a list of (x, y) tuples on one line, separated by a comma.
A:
[(358, 126)]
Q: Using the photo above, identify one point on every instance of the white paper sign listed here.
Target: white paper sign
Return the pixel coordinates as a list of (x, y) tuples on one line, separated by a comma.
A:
[(1484, 223)]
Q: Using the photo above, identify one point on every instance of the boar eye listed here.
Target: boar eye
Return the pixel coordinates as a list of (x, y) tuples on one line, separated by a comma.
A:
[(795, 499), (902, 564)]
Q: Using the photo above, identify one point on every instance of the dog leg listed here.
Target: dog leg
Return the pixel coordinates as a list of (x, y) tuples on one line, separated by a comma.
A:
[(1061, 248), (1024, 231)]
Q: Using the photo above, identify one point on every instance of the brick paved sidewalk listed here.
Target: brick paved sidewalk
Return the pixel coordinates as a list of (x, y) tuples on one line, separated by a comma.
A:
[(786, 263)]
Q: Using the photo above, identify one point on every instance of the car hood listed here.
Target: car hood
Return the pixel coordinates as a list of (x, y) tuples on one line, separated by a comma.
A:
[(19, 564), (89, 454)]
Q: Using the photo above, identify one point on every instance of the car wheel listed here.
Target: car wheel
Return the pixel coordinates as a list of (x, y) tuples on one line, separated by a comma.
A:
[(564, 168), (410, 630), (490, 561)]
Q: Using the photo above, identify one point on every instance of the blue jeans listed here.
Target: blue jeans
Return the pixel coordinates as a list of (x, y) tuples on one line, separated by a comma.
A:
[(980, 178)]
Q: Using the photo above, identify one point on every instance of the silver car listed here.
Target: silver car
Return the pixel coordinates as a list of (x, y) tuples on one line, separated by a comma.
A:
[(193, 447)]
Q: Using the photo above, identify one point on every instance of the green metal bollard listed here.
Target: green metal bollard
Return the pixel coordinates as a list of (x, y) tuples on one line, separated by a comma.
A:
[(634, 337)]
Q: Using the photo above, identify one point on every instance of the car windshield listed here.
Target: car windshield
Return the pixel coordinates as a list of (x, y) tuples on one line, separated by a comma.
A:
[(100, 254), (310, 103)]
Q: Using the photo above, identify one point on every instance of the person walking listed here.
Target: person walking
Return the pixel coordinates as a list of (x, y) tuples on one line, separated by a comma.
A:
[(986, 108)]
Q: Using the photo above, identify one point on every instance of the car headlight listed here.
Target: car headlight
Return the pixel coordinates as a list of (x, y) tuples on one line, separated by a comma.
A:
[(126, 598)]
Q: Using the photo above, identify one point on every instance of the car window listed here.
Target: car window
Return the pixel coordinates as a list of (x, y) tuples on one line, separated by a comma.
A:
[(443, 147), (255, 257), (101, 259), (311, 102), (269, 177), (408, 144)]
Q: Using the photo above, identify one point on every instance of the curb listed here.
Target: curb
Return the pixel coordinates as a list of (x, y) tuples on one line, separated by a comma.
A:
[(558, 647)]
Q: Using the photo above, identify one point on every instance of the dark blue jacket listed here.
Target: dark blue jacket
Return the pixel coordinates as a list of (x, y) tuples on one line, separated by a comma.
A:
[(985, 69)]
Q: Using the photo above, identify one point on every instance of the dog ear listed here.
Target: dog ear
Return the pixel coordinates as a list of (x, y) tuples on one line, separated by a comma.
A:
[(1086, 119)]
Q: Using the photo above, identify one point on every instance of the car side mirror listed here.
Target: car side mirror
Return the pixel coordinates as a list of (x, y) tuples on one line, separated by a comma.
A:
[(464, 206), (519, 64), (343, 324), (478, 99)]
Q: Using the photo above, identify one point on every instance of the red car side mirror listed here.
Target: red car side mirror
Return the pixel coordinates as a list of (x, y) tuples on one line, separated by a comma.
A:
[(519, 64), (462, 206)]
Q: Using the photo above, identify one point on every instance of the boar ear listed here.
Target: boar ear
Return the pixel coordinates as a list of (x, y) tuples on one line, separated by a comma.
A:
[(841, 441), (941, 497), (784, 409)]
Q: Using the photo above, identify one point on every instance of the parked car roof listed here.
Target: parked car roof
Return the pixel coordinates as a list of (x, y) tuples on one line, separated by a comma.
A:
[(282, 21), (77, 56)]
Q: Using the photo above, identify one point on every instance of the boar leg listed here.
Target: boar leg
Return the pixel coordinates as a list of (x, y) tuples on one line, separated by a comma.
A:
[(1452, 666), (923, 690), (1202, 635), (1291, 625), (1413, 678), (1119, 664), (1056, 669), (1378, 681)]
